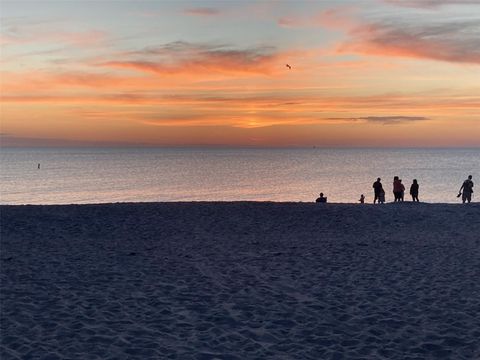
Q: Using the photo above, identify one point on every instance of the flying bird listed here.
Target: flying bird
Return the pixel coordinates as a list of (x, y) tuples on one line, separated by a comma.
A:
[(289, 67)]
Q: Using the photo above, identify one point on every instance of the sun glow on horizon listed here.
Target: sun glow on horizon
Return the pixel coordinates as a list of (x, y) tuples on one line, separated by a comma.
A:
[(169, 74)]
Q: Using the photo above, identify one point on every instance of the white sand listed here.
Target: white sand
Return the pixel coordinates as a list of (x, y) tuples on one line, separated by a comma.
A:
[(240, 281)]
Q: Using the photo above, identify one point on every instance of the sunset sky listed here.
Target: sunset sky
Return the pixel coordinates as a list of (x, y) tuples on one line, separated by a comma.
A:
[(363, 73)]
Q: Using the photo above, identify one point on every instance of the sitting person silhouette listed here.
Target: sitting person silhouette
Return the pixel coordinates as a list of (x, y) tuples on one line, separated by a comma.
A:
[(321, 199)]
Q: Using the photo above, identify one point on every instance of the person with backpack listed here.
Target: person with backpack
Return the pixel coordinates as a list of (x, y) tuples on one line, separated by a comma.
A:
[(466, 190)]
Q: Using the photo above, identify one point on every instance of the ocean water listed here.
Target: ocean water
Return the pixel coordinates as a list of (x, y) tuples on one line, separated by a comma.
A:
[(100, 175)]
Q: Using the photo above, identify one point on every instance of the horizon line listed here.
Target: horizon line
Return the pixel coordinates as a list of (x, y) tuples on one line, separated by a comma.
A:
[(225, 146)]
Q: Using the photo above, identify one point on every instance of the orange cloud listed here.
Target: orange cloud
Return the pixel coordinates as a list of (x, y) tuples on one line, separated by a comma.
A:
[(47, 81), (38, 81), (286, 103), (186, 58), (385, 120), (141, 110)]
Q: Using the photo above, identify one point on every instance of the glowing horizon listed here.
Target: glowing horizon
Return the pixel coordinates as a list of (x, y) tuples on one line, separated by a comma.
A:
[(377, 73)]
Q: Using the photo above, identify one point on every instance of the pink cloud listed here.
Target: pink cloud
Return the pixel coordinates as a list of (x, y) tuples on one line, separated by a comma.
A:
[(14, 82), (198, 60), (335, 18), (202, 11), (84, 38), (452, 42), (430, 4), (26, 35), (300, 104), (444, 40)]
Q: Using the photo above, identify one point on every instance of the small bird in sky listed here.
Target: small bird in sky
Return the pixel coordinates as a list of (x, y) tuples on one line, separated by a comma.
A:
[(289, 67)]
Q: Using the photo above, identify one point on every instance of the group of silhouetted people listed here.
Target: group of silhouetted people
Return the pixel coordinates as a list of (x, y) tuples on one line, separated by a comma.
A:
[(398, 190), (466, 191)]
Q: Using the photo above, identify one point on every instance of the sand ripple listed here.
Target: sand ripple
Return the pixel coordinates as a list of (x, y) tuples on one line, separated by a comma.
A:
[(240, 281)]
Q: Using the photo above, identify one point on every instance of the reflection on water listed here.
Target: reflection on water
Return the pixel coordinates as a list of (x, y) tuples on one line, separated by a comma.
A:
[(95, 175)]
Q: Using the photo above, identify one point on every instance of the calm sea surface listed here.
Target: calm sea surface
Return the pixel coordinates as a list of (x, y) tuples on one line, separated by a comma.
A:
[(98, 175)]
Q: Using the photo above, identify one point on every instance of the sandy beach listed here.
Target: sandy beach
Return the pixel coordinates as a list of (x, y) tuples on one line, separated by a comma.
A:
[(246, 280)]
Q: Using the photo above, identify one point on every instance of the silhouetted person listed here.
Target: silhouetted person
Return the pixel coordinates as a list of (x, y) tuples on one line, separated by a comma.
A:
[(377, 189), (414, 190), (362, 199), (397, 189), (381, 197), (402, 190), (321, 199), (38, 166), (466, 190)]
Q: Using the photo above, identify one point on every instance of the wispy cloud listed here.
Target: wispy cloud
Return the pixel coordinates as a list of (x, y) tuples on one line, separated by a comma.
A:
[(430, 4), (449, 41), (291, 104), (47, 81), (23, 141), (338, 17), (202, 11), (183, 57), (27, 34), (385, 120)]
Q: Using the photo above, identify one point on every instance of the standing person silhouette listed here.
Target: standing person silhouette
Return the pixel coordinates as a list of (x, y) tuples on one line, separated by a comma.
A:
[(397, 189), (414, 190), (377, 190), (466, 190), (402, 190)]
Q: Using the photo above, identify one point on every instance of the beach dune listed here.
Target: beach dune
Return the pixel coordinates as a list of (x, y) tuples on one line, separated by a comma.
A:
[(241, 280)]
